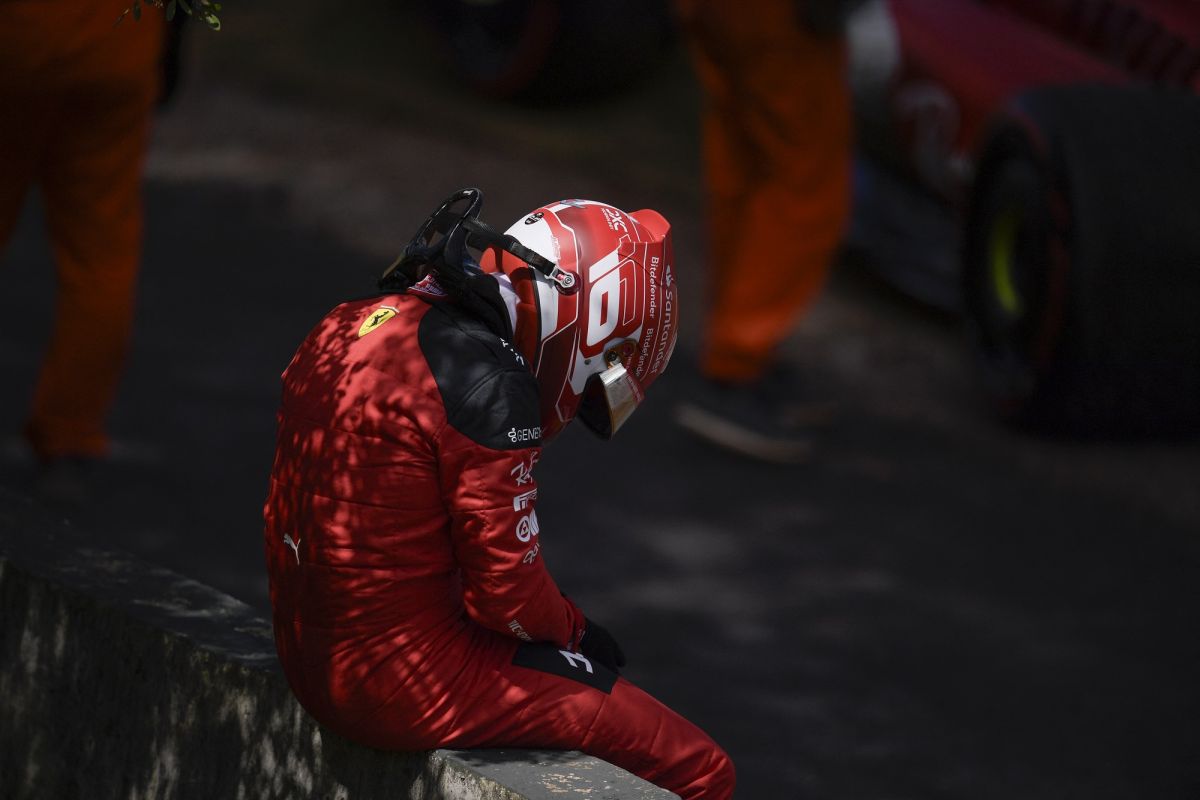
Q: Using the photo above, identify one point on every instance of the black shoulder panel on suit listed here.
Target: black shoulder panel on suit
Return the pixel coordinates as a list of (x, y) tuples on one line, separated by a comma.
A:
[(489, 393)]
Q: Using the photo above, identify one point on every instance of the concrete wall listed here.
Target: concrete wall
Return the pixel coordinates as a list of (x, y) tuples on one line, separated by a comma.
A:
[(119, 679)]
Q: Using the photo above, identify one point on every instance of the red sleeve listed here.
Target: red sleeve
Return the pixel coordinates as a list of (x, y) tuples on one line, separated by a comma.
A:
[(491, 497)]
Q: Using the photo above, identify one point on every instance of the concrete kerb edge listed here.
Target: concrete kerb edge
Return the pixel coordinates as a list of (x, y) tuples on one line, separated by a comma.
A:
[(122, 679)]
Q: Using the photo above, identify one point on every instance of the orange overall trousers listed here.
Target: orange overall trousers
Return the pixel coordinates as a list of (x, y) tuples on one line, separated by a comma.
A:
[(777, 150), (76, 97)]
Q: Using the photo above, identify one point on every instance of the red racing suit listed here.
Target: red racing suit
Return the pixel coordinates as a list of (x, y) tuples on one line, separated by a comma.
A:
[(412, 608)]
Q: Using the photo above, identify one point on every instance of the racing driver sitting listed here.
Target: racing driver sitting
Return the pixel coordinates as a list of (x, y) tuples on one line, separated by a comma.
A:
[(412, 608)]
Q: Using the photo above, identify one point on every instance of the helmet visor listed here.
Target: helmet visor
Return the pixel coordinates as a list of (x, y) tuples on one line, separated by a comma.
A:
[(609, 398)]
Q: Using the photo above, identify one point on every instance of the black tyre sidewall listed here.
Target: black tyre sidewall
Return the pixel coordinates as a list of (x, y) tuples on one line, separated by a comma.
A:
[(1019, 371), (1118, 345)]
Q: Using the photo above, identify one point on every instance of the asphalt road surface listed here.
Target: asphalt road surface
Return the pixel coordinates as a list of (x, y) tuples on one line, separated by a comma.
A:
[(934, 607)]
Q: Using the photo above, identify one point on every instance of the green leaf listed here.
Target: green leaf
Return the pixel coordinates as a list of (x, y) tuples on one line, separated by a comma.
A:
[(185, 6), (213, 22), (171, 10)]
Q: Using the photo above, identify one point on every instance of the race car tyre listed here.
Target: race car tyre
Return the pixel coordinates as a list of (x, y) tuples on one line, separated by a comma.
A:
[(1082, 261), (552, 50)]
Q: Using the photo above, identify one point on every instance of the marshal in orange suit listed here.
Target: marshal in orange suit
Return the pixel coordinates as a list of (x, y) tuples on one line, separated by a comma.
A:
[(76, 96), (777, 155)]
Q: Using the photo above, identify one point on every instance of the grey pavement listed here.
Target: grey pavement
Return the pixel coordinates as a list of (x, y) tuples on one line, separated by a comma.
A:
[(935, 607)]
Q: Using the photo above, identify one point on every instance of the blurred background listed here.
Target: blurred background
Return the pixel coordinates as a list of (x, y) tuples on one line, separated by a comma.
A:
[(983, 584)]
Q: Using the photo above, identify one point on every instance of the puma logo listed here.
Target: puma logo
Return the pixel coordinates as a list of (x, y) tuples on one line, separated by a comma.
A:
[(295, 545)]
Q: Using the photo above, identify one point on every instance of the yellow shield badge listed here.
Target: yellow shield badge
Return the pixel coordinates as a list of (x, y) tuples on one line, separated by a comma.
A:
[(375, 319)]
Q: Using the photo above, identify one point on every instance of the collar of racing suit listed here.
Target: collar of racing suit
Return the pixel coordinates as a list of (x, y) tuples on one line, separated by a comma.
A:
[(509, 295), (481, 297)]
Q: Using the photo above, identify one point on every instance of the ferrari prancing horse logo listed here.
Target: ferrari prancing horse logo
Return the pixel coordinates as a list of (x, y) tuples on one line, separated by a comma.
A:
[(376, 318)]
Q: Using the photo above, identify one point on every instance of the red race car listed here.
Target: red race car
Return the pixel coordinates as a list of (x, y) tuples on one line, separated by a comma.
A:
[(1047, 152)]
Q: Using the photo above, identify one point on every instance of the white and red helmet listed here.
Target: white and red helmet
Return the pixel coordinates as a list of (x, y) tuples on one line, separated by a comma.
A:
[(600, 327)]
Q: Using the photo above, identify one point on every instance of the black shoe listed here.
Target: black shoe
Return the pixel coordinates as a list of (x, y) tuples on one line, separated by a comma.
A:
[(67, 482), (769, 419), (17, 465)]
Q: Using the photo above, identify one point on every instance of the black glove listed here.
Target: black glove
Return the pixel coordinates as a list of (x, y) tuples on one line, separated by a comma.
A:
[(599, 645)]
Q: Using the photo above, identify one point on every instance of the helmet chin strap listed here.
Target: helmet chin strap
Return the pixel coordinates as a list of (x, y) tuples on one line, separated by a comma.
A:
[(441, 244), (484, 235)]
